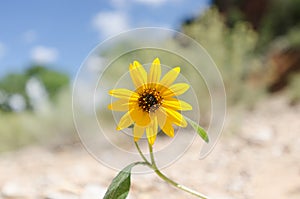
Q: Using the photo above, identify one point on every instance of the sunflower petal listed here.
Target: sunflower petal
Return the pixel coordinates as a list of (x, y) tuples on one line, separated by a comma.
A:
[(138, 132), (151, 131), (161, 116), (176, 104), (119, 105), (123, 94), (176, 89), (164, 123), (176, 117), (139, 116), (138, 74), (170, 77), (155, 72), (168, 129), (125, 121)]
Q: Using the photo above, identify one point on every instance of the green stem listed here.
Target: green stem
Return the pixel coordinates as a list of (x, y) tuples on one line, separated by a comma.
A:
[(179, 186), (141, 163), (141, 154), (168, 180), (152, 156)]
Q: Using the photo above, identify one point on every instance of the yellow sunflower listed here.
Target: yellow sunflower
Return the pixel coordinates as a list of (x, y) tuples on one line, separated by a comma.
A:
[(153, 104)]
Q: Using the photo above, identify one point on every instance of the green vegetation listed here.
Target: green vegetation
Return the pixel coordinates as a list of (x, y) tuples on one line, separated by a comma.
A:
[(232, 49), (54, 126), (294, 88), (12, 84), (27, 126), (52, 80), (282, 19)]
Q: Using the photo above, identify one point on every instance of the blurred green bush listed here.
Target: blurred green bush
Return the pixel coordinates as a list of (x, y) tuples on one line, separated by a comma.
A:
[(294, 89), (53, 127), (281, 18), (51, 122), (15, 84), (233, 51)]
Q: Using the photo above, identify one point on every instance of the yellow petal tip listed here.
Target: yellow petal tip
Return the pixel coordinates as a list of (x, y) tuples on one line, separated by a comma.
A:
[(177, 69), (131, 67), (156, 60), (151, 142), (189, 107), (170, 134), (136, 64)]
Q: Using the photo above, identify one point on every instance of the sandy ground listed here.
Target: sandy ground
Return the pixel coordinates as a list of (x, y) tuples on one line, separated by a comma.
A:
[(259, 159)]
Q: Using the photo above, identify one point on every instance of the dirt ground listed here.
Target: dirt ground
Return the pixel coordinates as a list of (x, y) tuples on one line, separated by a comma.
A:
[(258, 156)]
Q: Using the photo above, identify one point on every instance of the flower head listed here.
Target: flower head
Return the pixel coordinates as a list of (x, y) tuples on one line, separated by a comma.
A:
[(153, 104)]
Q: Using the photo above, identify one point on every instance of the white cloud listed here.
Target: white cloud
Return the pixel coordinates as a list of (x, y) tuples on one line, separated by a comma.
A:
[(30, 36), (96, 63), (152, 2), (110, 23), (2, 50), (42, 54)]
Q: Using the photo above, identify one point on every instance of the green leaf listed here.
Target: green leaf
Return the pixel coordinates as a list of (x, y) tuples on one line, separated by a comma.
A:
[(120, 185), (198, 129)]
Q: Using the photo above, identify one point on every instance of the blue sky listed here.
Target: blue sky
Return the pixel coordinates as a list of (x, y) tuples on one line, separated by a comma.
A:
[(61, 33)]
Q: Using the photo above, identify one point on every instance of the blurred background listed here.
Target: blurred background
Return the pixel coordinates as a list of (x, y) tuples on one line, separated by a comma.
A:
[(255, 44)]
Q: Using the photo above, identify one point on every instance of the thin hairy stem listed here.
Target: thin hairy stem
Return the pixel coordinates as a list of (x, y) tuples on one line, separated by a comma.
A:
[(168, 180), (141, 153)]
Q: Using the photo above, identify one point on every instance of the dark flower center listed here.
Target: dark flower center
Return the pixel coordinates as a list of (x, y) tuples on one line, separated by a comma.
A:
[(150, 100)]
